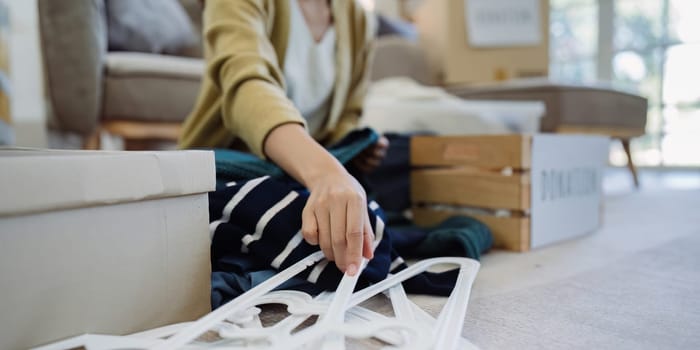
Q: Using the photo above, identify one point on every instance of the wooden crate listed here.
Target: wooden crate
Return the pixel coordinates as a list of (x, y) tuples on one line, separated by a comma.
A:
[(491, 178)]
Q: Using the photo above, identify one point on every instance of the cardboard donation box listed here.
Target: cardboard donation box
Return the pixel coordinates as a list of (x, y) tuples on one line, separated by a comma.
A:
[(475, 41), (531, 190), (101, 242)]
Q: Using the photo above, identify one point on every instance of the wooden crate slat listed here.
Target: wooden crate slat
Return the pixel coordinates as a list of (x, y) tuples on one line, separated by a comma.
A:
[(487, 151), (465, 187)]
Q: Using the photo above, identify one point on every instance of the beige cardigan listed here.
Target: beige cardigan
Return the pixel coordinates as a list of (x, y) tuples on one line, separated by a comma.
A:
[(242, 96)]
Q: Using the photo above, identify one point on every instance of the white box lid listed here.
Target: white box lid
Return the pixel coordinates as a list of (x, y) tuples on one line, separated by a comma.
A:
[(33, 180)]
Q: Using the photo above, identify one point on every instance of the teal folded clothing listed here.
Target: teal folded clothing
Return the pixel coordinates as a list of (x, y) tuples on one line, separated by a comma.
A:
[(234, 165), (456, 236)]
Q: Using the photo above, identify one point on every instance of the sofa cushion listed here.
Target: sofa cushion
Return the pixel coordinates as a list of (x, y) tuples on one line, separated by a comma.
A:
[(155, 26), (149, 87), (194, 9), (389, 26)]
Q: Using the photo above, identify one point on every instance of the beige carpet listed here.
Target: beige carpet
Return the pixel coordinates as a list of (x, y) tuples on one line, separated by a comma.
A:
[(634, 284), (650, 300)]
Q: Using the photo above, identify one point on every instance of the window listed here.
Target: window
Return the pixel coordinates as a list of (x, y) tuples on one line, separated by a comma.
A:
[(655, 50), (574, 33)]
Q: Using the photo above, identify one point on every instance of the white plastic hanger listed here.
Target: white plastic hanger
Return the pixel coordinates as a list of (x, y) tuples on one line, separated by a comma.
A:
[(445, 335), (207, 322)]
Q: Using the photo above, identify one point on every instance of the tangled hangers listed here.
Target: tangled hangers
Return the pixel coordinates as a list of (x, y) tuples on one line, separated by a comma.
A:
[(339, 317)]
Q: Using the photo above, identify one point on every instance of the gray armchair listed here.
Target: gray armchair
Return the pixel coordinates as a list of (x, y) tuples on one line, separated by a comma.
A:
[(139, 96)]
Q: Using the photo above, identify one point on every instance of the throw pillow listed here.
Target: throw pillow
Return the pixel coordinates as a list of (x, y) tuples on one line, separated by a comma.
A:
[(153, 26)]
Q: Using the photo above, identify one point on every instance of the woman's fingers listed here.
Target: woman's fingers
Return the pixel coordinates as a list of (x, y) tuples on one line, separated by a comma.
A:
[(342, 232), (309, 227), (366, 163), (324, 231), (362, 166), (375, 151), (335, 217), (379, 154), (383, 142), (372, 156), (354, 233), (372, 163), (338, 242), (368, 241)]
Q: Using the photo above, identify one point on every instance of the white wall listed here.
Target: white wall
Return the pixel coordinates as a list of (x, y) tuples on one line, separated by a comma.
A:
[(26, 74)]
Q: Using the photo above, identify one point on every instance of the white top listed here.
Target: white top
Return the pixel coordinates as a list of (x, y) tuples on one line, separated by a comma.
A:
[(309, 69)]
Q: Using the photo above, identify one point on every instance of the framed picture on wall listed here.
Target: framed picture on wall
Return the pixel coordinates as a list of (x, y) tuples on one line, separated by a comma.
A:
[(503, 23)]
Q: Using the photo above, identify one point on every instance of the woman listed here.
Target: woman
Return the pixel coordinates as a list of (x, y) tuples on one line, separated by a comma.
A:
[(285, 77)]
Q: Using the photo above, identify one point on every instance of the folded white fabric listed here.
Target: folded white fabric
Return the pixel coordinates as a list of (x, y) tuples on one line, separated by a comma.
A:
[(401, 105)]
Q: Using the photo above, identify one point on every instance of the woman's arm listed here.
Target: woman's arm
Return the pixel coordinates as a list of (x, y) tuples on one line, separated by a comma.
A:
[(242, 64), (335, 216)]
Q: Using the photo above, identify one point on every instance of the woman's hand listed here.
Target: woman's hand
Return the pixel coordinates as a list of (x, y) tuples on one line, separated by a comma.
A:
[(369, 159), (335, 216)]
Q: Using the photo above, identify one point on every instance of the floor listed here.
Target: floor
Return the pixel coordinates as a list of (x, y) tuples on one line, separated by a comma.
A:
[(618, 181), (633, 284)]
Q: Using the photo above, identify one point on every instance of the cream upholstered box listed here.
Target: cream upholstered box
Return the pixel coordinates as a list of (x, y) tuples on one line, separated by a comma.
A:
[(101, 242)]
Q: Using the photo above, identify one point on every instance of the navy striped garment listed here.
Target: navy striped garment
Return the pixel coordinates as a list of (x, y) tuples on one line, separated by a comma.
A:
[(255, 226)]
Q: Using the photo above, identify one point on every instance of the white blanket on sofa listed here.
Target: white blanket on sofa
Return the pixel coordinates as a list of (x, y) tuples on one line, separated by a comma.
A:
[(401, 105)]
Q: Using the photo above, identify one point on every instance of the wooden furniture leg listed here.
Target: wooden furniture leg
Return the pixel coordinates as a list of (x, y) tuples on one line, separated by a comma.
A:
[(630, 164), (92, 141), (168, 131), (136, 135), (142, 135), (138, 144)]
